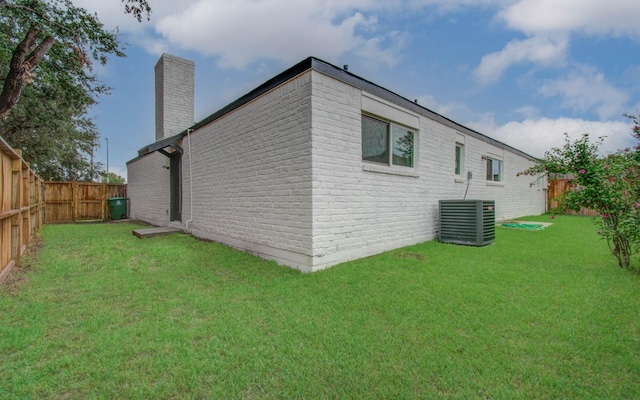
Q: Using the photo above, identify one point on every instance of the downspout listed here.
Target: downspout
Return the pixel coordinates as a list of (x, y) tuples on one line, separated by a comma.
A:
[(190, 182)]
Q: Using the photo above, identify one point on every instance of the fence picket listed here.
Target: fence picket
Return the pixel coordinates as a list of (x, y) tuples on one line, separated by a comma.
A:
[(556, 191), (79, 201), (20, 207)]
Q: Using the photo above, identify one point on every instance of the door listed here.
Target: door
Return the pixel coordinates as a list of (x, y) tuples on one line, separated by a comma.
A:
[(175, 183)]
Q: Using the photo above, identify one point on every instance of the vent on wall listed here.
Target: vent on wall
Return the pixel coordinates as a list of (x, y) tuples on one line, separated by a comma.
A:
[(470, 222)]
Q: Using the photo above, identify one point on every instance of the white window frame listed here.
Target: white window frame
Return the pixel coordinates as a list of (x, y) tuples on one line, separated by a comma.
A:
[(390, 127), (459, 159), (490, 164)]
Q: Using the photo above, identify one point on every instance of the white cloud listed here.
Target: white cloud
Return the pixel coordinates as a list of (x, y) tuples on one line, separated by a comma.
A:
[(243, 31), (454, 110), (535, 136), (593, 17), (450, 6), (587, 89), (529, 111), (549, 24), (111, 13), (540, 50), (381, 50)]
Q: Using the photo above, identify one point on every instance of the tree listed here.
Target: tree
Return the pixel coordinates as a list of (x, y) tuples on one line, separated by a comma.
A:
[(403, 150), (44, 24), (636, 132), (58, 148), (47, 52), (51, 126), (610, 185), (111, 177), (65, 38), (137, 8)]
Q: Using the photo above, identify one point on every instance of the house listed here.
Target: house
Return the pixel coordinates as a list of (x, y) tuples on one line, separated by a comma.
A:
[(315, 167)]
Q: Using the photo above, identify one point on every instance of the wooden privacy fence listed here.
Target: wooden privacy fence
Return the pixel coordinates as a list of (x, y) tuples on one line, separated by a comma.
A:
[(20, 207), (557, 190), (79, 201)]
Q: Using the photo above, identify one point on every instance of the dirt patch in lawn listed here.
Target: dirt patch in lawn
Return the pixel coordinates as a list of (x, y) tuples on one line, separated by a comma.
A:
[(19, 275), (412, 255)]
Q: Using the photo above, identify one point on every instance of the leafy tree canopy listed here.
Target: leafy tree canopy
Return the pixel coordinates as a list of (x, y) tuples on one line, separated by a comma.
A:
[(138, 8), (111, 177), (48, 49)]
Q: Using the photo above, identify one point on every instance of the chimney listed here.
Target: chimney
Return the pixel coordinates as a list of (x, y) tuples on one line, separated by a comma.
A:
[(174, 95)]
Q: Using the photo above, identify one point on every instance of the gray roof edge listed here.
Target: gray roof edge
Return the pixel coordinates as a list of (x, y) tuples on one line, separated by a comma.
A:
[(386, 94), (343, 76), (166, 142)]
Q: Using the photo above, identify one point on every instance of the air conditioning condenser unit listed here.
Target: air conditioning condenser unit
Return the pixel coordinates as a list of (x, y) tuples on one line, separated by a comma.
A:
[(468, 222)]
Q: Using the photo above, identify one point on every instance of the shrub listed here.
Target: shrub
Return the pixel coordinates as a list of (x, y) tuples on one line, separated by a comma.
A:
[(608, 185)]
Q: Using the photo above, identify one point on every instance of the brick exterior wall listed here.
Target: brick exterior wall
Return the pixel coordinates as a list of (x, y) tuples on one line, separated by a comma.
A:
[(282, 177), (252, 176), (148, 189), (361, 209), (174, 87)]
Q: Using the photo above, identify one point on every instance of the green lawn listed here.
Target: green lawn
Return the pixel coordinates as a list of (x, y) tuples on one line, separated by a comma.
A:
[(102, 314)]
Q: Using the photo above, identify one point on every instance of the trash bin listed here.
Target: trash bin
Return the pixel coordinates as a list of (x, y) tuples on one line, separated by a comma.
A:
[(118, 207)]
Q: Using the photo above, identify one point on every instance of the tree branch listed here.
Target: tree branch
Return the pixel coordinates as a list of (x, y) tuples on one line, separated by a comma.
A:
[(21, 68)]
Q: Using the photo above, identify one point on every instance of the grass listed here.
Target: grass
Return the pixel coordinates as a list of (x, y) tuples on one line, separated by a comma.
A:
[(102, 314)]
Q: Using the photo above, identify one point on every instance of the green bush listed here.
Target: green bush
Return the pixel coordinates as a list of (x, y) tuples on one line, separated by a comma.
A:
[(608, 185)]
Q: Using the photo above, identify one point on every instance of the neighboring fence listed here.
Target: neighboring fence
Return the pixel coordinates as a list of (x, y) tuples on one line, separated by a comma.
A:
[(79, 201), (557, 190), (20, 207)]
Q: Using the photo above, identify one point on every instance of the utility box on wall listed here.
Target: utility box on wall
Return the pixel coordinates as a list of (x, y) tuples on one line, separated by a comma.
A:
[(468, 222)]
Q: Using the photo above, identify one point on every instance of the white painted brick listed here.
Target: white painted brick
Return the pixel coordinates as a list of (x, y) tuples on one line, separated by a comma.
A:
[(174, 89), (252, 175), (148, 189), (357, 213), (282, 177)]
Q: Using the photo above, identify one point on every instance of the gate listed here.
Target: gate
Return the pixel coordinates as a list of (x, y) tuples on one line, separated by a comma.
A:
[(79, 201)]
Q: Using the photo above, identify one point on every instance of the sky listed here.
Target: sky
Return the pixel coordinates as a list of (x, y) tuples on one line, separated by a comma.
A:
[(524, 72)]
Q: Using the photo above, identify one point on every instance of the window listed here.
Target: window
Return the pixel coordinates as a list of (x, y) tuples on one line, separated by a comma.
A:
[(494, 170), (459, 158), (386, 143), (375, 140)]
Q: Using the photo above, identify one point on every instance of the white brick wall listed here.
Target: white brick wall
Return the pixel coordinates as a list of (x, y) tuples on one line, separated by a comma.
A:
[(252, 176), (283, 177), (174, 86), (148, 189), (357, 212)]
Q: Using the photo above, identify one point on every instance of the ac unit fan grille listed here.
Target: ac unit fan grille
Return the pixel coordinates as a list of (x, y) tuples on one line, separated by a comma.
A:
[(469, 222)]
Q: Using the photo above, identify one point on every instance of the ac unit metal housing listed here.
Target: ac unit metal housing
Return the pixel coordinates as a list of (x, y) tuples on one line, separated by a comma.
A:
[(468, 222)]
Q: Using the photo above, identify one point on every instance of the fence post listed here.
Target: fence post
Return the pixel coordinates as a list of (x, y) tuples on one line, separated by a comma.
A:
[(26, 203), (104, 201), (16, 204), (74, 201), (43, 209)]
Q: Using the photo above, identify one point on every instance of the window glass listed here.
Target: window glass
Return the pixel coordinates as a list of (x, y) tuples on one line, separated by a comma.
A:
[(375, 140), (458, 158), (402, 141), (387, 143), (494, 170)]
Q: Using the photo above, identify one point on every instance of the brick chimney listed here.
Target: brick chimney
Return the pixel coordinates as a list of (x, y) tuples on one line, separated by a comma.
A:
[(174, 95)]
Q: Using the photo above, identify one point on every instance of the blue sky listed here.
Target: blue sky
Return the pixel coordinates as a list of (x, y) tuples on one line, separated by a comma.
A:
[(521, 71)]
